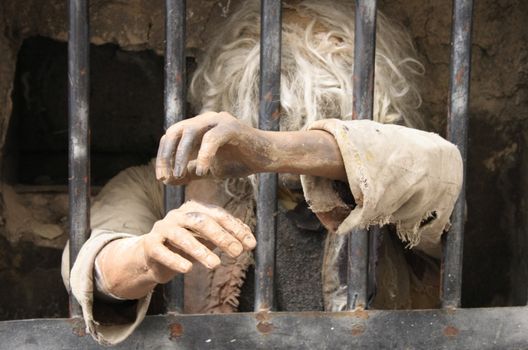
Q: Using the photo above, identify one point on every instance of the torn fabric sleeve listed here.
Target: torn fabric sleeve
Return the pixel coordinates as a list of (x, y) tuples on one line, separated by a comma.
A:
[(127, 207), (407, 177)]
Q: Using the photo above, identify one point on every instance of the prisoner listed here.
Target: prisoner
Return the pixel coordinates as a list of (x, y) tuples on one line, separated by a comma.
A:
[(352, 174)]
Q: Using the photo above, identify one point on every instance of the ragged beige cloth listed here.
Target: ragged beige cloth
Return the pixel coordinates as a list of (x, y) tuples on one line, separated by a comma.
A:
[(128, 206), (397, 175)]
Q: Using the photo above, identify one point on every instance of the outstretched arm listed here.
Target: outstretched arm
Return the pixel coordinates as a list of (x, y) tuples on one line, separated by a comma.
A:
[(219, 144), (132, 267)]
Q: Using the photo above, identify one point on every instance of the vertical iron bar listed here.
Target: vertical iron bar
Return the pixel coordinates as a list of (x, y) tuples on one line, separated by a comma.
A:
[(364, 51), (457, 132), (79, 132), (175, 101), (270, 71)]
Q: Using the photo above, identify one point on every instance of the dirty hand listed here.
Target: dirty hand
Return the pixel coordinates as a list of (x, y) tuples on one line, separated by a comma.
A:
[(175, 240), (211, 142)]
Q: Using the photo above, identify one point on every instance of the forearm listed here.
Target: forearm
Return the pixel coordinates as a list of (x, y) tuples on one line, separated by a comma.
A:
[(123, 269), (312, 152)]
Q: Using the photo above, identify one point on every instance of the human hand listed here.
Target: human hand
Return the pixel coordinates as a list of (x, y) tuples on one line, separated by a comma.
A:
[(215, 143), (174, 240)]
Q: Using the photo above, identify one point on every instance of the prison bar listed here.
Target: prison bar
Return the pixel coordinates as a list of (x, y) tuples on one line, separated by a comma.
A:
[(457, 132), (363, 85), (175, 101), (269, 109), (475, 329), (79, 132)]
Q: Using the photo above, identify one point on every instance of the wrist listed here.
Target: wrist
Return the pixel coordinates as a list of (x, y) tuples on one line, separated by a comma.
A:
[(124, 269)]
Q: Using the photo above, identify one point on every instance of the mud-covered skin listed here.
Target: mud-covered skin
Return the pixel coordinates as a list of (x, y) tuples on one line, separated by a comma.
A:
[(220, 145), (217, 145), (183, 236)]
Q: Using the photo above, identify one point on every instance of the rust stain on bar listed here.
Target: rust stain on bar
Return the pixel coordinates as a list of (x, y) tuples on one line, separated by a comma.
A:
[(175, 330), (265, 327), (451, 331), (358, 329), (360, 313), (460, 75)]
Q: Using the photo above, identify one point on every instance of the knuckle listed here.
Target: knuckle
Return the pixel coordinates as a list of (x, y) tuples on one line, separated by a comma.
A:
[(189, 205), (157, 228), (200, 252), (225, 115), (173, 129), (224, 240), (195, 218), (183, 242), (156, 254), (171, 214)]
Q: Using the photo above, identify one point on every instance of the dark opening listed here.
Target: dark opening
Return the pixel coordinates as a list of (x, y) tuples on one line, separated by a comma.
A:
[(126, 111)]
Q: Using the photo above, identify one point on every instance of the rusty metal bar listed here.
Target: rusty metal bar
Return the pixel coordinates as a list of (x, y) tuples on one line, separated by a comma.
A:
[(457, 132), (478, 329), (79, 132), (364, 51), (175, 101), (270, 71)]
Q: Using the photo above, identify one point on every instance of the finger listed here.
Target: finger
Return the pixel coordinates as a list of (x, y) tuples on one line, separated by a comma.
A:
[(191, 169), (160, 175), (206, 227), (164, 256), (183, 153), (236, 227), (184, 240), (211, 142), (189, 175), (166, 152)]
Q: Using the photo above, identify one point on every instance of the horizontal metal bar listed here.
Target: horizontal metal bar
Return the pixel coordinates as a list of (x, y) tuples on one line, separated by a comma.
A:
[(363, 80), (175, 101), (457, 133), (493, 328), (79, 131), (270, 71)]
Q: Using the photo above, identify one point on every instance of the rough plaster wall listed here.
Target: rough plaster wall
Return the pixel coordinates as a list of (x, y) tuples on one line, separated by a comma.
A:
[(495, 239), (498, 163)]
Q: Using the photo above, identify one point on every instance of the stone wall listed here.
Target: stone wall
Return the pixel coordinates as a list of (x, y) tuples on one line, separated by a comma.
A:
[(495, 272)]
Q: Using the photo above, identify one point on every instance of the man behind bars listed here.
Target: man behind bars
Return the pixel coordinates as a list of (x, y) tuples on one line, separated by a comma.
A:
[(396, 175)]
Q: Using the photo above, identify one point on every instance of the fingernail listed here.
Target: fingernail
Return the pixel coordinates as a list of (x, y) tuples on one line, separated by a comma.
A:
[(212, 261), (235, 248), (250, 241), (199, 170), (178, 171)]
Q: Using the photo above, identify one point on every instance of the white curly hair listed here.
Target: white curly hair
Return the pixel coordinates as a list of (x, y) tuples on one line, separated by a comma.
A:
[(317, 64)]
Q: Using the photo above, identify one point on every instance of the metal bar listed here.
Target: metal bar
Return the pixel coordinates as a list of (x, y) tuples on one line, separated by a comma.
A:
[(457, 132), (364, 51), (270, 71), (79, 132), (491, 328), (175, 101)]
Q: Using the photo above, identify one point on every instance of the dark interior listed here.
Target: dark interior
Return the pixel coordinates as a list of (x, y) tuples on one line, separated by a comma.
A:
[(126, 112)]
